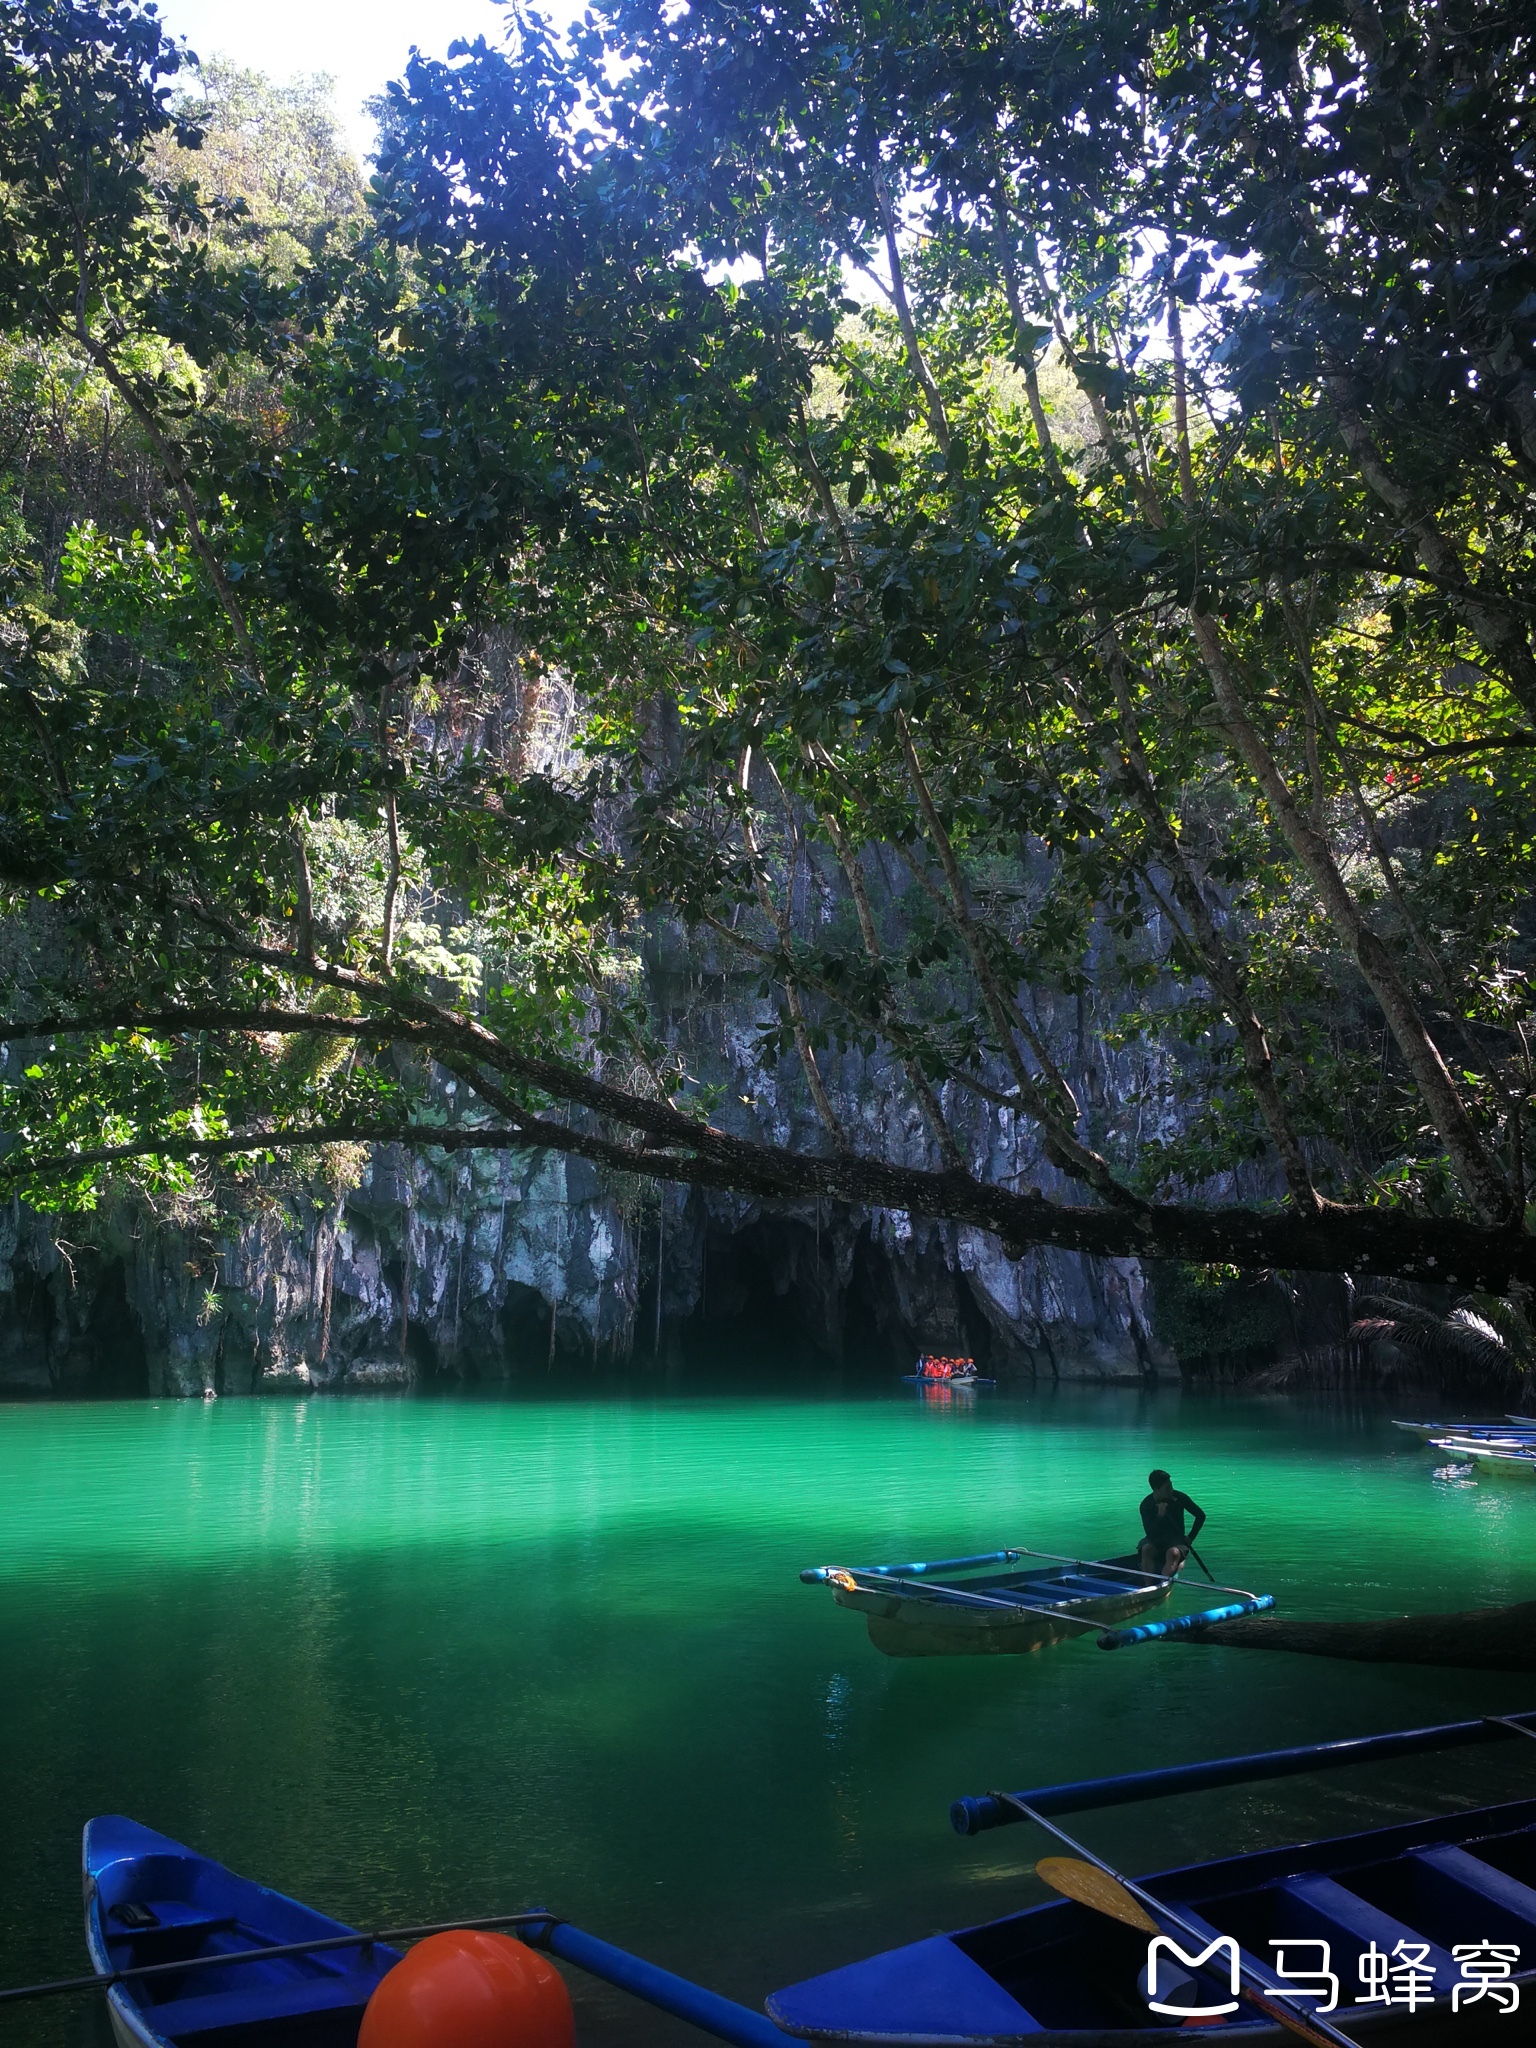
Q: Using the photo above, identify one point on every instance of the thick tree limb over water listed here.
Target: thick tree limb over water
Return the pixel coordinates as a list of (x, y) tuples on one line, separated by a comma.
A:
[(677, 1147), (1481, 1639)]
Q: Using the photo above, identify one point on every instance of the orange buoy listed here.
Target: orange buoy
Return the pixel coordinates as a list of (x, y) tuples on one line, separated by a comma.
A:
[(470, 1989)]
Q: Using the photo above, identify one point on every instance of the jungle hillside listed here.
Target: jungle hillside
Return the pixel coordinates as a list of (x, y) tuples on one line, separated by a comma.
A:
[(1026, 514)]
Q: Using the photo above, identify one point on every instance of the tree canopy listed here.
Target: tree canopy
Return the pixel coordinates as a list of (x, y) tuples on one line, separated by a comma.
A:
[(1031, 512)]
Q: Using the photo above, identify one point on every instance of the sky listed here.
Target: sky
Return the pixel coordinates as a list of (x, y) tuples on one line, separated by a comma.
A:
[(361, 43)]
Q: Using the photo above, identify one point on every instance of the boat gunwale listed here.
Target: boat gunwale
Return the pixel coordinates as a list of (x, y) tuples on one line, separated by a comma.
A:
[(1083, 1606), (952, 1617)]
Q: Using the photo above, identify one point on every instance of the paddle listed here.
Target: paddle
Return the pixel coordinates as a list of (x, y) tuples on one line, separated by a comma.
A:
[(1128, 1896), (1199, 1560), (1093, 1887)]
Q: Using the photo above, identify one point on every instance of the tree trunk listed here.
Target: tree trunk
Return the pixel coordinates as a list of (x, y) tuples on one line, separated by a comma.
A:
[(1479, 1639)]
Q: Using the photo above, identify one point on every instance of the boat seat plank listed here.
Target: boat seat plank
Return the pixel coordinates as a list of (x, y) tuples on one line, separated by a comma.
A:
[(931, 1987), (184, 2019), (172, 1917), (167, 1913), (1470, 1877), (1335, 1911)]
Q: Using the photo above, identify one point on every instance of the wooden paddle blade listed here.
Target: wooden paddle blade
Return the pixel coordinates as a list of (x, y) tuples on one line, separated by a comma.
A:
[(1095, 1888)]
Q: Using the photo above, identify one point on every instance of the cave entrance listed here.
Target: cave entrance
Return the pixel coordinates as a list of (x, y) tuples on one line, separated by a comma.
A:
[(118, 1366), (767, 1303)]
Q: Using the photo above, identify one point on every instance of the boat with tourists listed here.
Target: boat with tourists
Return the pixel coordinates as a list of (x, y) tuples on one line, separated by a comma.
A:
[(1419, 1931), (968, 1607), (934, 1371)]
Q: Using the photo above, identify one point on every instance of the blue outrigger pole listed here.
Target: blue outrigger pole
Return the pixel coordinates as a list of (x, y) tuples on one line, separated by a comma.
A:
[(997, 1810), (722, 2017), (817, 1574), (669, 1993), (1184, 1624)]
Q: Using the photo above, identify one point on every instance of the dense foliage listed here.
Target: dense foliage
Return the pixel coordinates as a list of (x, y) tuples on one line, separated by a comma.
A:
[(1033, 508)]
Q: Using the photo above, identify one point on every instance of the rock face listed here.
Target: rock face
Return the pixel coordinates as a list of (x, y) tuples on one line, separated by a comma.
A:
[(468, 1267), (504, 1265)]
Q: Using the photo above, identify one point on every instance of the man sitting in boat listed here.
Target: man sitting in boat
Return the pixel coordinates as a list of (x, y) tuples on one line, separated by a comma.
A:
[(1165, 1546)]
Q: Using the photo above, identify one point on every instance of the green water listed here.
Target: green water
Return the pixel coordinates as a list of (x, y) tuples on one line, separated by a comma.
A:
[(411, 1658)]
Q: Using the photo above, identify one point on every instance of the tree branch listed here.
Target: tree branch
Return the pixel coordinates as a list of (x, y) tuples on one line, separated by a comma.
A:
[(1362, 1240)]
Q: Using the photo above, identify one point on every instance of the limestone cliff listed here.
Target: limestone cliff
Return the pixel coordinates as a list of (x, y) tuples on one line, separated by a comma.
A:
[(470, 1268), (495, 1265)]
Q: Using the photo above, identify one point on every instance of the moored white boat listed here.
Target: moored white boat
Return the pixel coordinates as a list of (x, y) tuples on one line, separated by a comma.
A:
[(1503, 1459), (1511, 1431)]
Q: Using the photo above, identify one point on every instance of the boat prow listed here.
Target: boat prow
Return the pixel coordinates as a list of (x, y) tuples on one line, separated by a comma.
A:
[(151, 1900)]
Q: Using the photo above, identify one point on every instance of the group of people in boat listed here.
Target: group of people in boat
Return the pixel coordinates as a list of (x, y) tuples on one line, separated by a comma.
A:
[(932, 1367)]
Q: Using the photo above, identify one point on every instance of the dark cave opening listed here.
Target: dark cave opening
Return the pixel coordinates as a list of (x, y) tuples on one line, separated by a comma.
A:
[(118, 1364)]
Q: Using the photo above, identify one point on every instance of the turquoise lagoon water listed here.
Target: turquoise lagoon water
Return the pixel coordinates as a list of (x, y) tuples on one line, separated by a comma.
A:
[(414, 1657)]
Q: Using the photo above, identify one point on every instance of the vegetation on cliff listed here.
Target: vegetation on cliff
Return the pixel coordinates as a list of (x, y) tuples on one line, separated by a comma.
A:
[(1035, 509)]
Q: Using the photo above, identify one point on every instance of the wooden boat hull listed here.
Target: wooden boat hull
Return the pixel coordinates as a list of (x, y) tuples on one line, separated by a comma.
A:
[(200, 1909), (906, 1622), (1061, 1976)]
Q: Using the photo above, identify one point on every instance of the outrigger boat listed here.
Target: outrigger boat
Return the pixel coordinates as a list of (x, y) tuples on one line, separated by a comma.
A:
[(1451, 1901), (1426, 1929), (975, 1610), (1513, 1430), (192, 1956), (1492, 1455), (153, 1905)]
